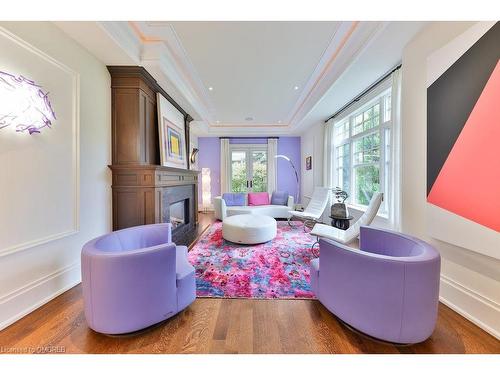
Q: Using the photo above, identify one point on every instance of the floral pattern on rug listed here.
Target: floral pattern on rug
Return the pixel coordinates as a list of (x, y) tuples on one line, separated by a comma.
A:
[(276, 269)]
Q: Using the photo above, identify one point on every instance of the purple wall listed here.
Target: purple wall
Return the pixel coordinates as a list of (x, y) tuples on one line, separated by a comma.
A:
[(209, 157), (289, 146)]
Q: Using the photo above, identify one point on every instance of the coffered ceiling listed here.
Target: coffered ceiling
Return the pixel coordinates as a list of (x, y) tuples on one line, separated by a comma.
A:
[(245, 78)]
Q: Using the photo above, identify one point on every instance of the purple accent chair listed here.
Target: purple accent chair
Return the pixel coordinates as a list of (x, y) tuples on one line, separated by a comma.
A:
[(134, 278), (388, 289)]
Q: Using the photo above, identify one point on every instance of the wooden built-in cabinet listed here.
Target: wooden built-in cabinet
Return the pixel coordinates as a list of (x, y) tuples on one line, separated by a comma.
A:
[(142, 189)]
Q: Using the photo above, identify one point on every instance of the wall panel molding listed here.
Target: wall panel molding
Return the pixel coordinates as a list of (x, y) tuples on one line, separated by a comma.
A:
[(75, 156)]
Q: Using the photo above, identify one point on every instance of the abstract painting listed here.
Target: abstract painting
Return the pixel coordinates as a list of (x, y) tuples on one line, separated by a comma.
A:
[(463, 133), (309, 163)]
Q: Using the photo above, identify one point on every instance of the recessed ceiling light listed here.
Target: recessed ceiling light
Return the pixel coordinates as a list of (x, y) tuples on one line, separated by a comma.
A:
[(218, 122), (249, 119), (279, 121), (296, 87), (210, 88)]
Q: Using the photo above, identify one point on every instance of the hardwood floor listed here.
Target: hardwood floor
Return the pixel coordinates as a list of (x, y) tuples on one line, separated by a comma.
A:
[(230, 326)]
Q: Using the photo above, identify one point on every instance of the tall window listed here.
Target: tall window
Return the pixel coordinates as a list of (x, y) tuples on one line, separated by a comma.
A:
[(362, 151)]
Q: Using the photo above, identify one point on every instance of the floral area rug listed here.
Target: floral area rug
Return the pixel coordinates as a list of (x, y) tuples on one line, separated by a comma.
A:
[(276, 269)]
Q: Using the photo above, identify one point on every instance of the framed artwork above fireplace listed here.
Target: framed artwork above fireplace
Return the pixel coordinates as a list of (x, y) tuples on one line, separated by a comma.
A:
[(172, 134)]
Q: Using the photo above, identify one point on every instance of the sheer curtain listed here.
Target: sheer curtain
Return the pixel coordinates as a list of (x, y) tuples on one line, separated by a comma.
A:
[(328, 178), (272, 151), (395, 199), (225, 166)]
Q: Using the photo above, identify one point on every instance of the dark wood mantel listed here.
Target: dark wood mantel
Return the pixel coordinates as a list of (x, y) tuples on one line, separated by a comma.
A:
[(142, 188)]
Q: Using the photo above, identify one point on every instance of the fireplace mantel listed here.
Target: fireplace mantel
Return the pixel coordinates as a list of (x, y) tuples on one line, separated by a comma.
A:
[(152, 176)]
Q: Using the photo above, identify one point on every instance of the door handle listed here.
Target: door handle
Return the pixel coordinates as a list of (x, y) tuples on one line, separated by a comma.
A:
[(247, 183), (251, 184)]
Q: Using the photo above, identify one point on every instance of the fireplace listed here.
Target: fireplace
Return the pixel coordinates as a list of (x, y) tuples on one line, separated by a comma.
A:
[(178, 213), (153, 194), (178, 208)]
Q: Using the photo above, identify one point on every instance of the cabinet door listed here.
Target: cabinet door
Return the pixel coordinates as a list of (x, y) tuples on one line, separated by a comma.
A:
[(126, 132)]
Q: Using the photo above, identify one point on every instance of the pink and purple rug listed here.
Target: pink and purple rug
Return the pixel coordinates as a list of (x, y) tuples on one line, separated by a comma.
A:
[(276, 269)]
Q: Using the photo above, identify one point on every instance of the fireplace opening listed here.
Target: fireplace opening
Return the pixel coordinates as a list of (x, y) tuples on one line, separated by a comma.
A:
[(178, 213)]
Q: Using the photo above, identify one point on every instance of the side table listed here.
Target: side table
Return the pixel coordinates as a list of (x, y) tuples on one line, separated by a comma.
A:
[(341, 222)]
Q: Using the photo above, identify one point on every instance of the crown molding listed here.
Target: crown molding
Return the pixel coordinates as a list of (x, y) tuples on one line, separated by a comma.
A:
[(204, 129), (169, 59), (123, 35), (347, 44)]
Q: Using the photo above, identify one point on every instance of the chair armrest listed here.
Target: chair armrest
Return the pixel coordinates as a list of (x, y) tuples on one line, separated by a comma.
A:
[(220, 208), (290, 202)]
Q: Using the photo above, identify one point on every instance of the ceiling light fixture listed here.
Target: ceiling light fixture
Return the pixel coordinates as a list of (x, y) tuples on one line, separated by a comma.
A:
[(210, 88), (217, 122), (296, 88), (279, 121)]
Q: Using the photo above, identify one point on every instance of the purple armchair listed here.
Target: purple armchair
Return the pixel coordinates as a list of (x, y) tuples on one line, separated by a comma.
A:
[(134, 278), (388, 289)]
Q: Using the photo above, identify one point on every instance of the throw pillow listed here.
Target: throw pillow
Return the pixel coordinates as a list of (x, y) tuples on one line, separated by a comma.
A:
[(258, 199), (234, 199), (279, 198)]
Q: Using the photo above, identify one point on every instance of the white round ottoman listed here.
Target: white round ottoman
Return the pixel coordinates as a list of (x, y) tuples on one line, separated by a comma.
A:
[(249, 229)]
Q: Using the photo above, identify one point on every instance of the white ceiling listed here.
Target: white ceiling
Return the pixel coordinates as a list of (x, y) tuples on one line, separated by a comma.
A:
[(252, 67)]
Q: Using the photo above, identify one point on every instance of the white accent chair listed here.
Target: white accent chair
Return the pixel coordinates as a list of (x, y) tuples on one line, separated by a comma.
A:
[(315, 208), (349, 235)]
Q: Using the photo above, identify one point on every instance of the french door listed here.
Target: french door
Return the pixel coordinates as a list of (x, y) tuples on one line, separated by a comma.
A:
[(248, 168)]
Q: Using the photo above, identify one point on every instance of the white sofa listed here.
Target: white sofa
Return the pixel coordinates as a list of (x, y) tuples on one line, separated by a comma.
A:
[(276, 211)]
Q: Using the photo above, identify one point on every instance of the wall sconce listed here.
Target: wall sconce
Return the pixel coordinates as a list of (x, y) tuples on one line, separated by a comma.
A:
[(25, 106), (194, 152), (206, 193)]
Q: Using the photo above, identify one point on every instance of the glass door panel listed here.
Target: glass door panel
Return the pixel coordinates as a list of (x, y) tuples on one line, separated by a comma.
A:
[(239, 173), (258, 183)]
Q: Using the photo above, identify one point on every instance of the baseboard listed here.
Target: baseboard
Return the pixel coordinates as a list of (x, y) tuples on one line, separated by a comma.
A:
[(28, 298), (473, 306)]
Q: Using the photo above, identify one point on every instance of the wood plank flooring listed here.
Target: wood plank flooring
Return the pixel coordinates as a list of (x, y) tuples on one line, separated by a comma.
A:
[(231, 326)]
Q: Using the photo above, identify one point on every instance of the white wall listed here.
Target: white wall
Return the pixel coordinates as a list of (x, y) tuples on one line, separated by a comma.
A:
[(470, 282), (31, 277), (312, 143)]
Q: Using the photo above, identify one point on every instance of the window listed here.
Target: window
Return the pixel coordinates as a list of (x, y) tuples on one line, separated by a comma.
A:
[(248, 168), (362, 148)]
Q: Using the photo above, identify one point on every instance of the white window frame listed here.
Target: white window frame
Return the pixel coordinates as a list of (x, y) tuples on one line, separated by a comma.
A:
[(371, 99)]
